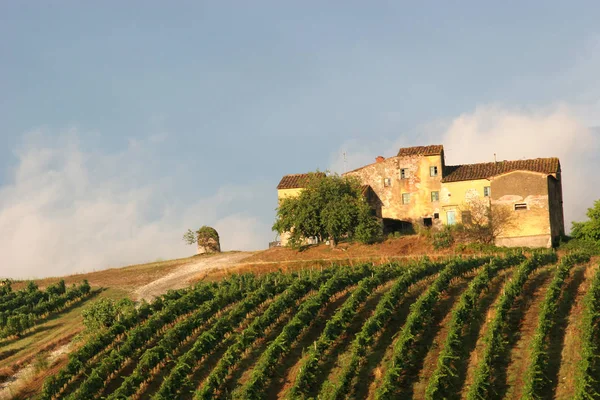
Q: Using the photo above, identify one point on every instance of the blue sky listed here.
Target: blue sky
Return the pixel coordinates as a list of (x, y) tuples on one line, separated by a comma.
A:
[(123, 124)]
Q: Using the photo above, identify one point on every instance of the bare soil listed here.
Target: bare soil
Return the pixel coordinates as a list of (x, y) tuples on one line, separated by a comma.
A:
[(180, 277), (571, 344), (520, 355), (10, 387)]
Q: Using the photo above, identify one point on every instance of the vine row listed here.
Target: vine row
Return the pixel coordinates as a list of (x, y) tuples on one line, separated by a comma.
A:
[(536, 382), (443, 382), (494, 340)]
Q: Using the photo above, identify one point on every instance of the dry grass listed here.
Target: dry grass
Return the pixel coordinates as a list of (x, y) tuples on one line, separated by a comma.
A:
[(403, 246), (125, 278), (322, 256)]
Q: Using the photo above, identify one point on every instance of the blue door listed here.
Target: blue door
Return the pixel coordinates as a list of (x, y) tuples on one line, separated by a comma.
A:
[(451, 217)]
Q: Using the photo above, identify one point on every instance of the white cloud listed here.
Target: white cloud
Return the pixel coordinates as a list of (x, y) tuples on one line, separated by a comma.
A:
[(559, 131), (517, 134), (66, 210)]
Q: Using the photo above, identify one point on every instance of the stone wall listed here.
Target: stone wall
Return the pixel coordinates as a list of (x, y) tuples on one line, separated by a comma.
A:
[(525, 241), (208, 247), (385, 179)]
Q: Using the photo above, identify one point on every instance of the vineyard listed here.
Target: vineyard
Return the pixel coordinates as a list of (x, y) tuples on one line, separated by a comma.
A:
[(435, 329), (21, 310)]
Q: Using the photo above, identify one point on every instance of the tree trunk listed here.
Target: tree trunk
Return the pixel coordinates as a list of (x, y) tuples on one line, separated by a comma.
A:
[(332, 243)]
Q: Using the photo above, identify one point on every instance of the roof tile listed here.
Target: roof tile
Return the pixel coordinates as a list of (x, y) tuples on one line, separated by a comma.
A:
[(295, 181), (455, 173), (431, 150)]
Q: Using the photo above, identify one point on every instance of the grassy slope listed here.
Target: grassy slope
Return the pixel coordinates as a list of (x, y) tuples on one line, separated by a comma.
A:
[(63, 328), (125, 278)]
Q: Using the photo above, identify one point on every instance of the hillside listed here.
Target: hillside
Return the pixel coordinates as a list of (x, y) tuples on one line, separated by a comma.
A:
[(359, 330)]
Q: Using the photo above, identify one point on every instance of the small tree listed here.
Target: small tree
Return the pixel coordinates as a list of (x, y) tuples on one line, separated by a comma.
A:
[(589, 230), (484, 221), (190, 237), (329, 207), (207, 239)]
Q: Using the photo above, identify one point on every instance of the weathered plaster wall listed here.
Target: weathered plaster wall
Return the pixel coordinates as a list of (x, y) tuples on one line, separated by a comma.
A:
[(531, 225), (418, 183), (455, 195), (525, 241), (283, 194)]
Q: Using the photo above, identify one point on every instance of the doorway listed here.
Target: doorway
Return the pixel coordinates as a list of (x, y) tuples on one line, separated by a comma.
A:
[(451, 217)]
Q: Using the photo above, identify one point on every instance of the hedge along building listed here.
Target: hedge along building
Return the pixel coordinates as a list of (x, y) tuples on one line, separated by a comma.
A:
[(417, 187)]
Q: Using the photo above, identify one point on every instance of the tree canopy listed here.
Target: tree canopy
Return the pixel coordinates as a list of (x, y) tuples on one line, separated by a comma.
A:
[(330, 207), (202, 236), (590, 229)]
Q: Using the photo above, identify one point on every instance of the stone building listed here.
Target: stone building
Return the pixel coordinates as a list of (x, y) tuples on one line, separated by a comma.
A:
[(417, 187)]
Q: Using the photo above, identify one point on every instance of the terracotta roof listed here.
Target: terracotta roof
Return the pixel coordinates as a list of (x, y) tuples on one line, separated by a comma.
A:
[(466, 172), (295, 181), (358, 169), (432, 150)]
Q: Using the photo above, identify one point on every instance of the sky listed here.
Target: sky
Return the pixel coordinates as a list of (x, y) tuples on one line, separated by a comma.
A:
[(123, 124)]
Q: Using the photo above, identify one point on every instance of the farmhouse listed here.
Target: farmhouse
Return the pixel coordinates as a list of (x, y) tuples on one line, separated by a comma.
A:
[(417, 187)]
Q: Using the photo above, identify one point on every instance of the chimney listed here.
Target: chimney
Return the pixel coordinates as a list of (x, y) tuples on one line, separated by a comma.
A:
[(379, 159)]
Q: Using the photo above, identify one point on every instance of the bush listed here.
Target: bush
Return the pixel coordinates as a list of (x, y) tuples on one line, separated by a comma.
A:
[(368, 231), (589, 230), (104, 313), (585, 246), (443, 239)]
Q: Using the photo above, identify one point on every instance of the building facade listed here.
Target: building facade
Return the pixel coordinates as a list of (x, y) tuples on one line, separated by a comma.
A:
[(416, 187)]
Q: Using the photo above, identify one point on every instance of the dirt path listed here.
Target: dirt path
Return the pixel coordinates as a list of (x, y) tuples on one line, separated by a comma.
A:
[(24, 375), (179, 278)]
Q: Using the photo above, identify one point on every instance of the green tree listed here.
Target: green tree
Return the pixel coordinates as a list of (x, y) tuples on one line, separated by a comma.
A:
[(190, 237), (590, 229), (330, 207), (206, 237)]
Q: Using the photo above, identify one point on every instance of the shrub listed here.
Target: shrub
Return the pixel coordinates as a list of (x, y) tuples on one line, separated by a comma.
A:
[(104, 313), (579, 245), (443, 239)]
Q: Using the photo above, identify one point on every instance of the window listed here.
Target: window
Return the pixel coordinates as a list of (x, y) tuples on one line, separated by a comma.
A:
[(427, 222), (487, 191), (405, 198), (433, 171), (387, 182), (465, 216), (520, 206), (436, 215), (435, 196), (403, 173)]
